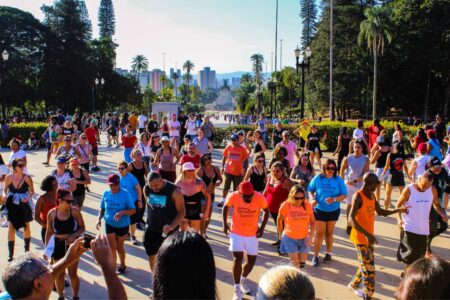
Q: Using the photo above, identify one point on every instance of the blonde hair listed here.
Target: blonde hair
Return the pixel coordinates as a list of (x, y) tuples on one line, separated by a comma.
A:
[(294, 190), (285, 282)]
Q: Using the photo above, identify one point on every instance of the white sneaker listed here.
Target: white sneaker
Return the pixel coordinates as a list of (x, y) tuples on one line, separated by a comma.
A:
[(244, 286), (357, 292), (4, 224), (237, 294)]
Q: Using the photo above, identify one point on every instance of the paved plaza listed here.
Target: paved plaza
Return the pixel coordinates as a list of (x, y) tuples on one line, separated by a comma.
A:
[(330, 281)]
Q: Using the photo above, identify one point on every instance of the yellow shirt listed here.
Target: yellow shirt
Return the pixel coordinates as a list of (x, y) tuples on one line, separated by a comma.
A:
[(303, 132)]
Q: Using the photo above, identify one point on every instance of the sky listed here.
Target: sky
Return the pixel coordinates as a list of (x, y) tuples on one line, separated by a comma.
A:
[(220, 34)]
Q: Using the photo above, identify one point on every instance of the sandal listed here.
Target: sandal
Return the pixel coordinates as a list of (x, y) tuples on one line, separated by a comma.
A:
[(121, 270)]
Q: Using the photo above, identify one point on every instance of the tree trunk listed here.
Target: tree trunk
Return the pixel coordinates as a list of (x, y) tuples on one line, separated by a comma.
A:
[(374, 100), (446, 99)]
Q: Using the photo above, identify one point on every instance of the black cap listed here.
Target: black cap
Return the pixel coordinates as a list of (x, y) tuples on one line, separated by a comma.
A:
[(434, 161)]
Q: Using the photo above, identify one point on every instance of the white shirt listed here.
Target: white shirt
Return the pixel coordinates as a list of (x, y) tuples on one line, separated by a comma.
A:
[(191, 127), (358, 134), (417, 220), (141, 121), (3, 171), (421, 162), (174, 128)]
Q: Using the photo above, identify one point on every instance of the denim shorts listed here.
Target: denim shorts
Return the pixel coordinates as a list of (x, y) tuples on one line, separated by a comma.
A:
[(289, 245)]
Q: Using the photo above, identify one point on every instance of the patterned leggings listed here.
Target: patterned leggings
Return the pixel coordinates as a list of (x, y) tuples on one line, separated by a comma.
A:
[(366, 270)]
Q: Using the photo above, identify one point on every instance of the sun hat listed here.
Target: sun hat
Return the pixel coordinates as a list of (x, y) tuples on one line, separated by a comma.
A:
[(187, 167)]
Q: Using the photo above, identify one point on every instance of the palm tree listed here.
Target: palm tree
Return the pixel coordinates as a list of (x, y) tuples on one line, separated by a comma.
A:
[(375, 30), (257, 67), (246, 77), (188, 66), (139, 64), (163, 80), (175, 77)]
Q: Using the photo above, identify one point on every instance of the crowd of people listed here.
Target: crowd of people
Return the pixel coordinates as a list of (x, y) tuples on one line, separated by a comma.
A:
[(166, 185)]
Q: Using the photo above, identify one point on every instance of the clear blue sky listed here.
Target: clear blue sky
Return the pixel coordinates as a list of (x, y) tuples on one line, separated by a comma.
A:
[(221, 34)]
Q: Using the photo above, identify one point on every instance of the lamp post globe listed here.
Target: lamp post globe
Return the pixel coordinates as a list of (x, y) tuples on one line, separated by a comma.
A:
[(102, 81), (297, 52)]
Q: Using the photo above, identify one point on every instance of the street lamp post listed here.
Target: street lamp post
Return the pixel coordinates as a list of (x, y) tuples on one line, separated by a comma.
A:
[(271, 85), (98, 83), (306, 54), (5, 57)]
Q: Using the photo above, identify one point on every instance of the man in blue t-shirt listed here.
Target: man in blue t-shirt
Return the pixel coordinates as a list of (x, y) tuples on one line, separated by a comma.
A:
[(261, 125)]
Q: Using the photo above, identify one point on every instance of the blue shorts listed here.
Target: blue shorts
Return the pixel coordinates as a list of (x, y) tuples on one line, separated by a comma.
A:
[(289, 245)]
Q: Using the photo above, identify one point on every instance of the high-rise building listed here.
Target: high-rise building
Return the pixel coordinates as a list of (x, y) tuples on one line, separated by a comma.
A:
[(206, 79), (155, 80), (235, 82), (179, 80)]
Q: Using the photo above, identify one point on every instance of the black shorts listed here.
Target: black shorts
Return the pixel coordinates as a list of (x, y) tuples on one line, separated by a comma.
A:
[(121, 231), (396, 179), (60, 249), (193, 211), (323, 216), (302, 142), (49, 145), (95, 150), (412, 247), (134, 217), (152, 242), (85, 166)]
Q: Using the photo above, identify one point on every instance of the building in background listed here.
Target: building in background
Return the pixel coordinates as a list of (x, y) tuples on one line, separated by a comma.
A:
[(155, 80), (207, 79), (179, 80), (235, 82)]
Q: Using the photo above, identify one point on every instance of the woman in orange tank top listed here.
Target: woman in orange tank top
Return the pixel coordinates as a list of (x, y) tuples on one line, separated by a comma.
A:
[(362, 220), (45, 203)]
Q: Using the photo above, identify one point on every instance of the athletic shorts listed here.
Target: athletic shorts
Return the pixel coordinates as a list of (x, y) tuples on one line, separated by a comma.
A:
[(60, 249), (351, 190), (49, 145), (412, 247), (248, 244), (85, 166), (289, 245), (232, 178), (134, 217), (327, 216), (95, 150), (79, 200), (383, 178), (152, 242), (121, 231), (302, 142)]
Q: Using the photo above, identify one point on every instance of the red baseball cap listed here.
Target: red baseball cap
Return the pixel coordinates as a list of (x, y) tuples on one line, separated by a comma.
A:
[(422, 147), (113, 179), (246, 188)]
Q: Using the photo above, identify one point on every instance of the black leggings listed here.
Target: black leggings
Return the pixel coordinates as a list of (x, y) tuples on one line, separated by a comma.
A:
[(43, 232), (341, 157), (437, 226)]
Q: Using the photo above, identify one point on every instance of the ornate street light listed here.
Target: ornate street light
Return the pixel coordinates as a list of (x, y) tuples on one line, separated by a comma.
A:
[(305, 54)]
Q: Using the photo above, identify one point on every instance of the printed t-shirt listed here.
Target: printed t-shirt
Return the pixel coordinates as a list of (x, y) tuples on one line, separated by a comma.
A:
[(141, 121), (128, 141), (133, 120), (296, 219), (91, 134), (128, 183), (261, 125), (324, 188), (113, 203), (245, 217), (195, 160), (236, 155)]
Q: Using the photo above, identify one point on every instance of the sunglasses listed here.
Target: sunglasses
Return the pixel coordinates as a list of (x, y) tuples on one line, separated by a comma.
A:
[(46, 269), (276, 171), (83, 138), (331, 168), (67, 200), (261, 161), (299, 198), (20, 165), (121, 168), (67, 140)]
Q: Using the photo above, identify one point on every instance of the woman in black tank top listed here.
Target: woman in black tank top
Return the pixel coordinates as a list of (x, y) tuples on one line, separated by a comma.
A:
[(18, 192), (257, 174), (82, 180), (194, 190), (140, 170), (212, 177), (64, 225), (343, 145)]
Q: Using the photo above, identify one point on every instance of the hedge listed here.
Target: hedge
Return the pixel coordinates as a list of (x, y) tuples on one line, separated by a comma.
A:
[(332, 129), (222, 135)]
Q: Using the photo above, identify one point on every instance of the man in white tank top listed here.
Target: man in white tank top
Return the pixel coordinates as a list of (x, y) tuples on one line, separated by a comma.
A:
[(414, 225), (418, 166)]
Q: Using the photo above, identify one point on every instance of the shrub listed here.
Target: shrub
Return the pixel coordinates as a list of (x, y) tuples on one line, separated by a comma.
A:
[(330, 127), (25, 129)]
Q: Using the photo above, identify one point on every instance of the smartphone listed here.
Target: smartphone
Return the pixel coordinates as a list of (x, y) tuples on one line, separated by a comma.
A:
[(88, 237)]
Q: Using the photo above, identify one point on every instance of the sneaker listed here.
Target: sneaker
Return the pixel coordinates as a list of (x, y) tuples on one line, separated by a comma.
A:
[(4, 224), (237, 294), (244, 286), (220, 204), (315, 261), (96, 169), (357, 292), (327, 258), (349, 229), (134, 241), (120, 270), (276, 244)]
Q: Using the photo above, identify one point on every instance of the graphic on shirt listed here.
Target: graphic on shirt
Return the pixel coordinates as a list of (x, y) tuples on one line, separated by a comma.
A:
[(157, 200), (398, 163)]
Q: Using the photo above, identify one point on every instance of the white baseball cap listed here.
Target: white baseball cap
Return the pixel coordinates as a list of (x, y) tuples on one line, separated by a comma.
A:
[(187, 166)]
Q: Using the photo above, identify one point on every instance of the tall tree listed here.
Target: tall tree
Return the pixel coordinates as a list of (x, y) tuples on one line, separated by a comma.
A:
[(257, 62), (67, 73), (308, 14), (174, 76), (85, 15), (139, 65), (188, 66), (106, 19), (376, 31)]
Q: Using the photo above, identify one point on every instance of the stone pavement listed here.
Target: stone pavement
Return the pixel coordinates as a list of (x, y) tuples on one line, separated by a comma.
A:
[(330, 281)]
